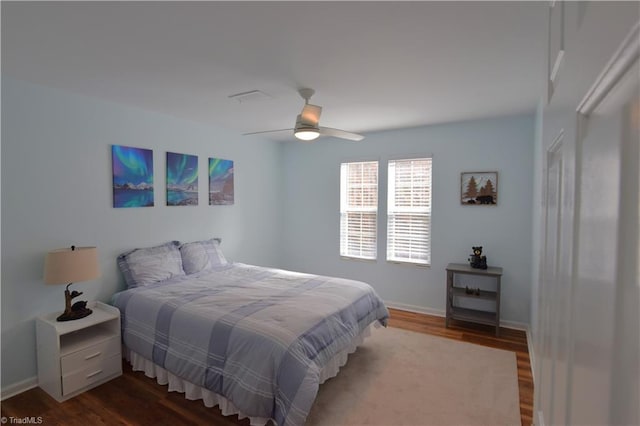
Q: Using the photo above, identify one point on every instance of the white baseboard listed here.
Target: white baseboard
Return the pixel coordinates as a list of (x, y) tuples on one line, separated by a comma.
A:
[(441, 313), (515, 325), (16, 388), (413, 308)]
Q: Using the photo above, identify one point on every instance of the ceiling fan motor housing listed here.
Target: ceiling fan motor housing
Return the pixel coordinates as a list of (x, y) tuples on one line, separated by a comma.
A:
[(304, 130), (301, 124)]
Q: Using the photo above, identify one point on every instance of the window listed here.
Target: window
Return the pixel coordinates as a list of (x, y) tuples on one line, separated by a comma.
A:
[(409, 211), (359, 209)]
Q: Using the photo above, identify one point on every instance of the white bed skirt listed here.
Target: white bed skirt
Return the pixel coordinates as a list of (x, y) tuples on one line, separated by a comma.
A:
[(211, 399)]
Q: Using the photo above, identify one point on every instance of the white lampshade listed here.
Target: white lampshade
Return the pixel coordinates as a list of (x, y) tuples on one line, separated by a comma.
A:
[(70, 265)]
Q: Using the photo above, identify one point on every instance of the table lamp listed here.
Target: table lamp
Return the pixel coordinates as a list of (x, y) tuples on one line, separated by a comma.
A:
[(69, 265)]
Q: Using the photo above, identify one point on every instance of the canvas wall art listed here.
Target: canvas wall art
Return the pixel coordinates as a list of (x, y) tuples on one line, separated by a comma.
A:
[(132, 176), (182, 179), (479, 188), (221, 190)]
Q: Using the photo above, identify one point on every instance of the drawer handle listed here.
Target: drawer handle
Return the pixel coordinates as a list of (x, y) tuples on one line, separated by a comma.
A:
[(94, 374), (92, 356)]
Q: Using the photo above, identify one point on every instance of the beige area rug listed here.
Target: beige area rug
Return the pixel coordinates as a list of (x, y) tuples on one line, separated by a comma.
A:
[(400, 377)]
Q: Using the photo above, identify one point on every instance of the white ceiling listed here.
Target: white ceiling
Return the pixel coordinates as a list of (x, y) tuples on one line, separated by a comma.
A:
[(374, 65)]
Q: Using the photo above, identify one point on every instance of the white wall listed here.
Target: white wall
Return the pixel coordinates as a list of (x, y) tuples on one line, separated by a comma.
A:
[(56, 191), (311, 209)]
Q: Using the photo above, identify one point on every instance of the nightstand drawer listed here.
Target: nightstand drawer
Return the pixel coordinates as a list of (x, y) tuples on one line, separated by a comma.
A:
[(91, 356), (93, 373)]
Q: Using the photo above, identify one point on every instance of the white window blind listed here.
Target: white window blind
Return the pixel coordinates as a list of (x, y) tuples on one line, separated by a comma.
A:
[(409, 211), (359, 209)]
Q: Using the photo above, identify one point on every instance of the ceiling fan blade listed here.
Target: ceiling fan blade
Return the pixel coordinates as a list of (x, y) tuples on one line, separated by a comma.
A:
[(311, 114), (342, 134), (267, 131)]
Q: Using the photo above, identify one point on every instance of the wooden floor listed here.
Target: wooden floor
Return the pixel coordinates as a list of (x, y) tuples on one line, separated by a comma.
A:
[(134, 399)]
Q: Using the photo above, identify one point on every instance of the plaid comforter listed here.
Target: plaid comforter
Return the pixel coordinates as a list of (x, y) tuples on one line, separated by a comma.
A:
[(257, 336)]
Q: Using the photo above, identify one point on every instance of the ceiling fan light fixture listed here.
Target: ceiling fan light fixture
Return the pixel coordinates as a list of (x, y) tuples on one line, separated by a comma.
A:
[(307, 126), (306, 134)]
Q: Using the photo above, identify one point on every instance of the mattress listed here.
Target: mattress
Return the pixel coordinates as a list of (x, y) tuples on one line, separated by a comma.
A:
[(258, 337)]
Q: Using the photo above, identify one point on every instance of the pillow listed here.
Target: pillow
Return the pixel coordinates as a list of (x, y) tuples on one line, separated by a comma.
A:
[(149, 265), (201, 255)]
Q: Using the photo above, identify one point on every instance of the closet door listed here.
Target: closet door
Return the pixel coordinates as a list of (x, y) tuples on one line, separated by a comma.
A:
[(604, 377), (548, 391), (587, 335)]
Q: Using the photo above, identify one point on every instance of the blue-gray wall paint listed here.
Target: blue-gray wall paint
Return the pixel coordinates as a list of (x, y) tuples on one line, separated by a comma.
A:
[(56, 191), (311, 209)]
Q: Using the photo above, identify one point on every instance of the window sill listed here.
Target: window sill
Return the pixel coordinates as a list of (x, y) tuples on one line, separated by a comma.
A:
[(359, 259), (409, 263)]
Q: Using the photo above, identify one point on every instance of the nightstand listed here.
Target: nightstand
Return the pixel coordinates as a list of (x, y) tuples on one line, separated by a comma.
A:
[(75, 356)]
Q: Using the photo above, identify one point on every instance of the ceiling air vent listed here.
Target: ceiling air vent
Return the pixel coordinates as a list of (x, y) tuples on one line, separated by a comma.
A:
[(250, 96)]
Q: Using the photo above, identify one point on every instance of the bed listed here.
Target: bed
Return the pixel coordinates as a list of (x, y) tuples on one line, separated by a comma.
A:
[(256, 341)]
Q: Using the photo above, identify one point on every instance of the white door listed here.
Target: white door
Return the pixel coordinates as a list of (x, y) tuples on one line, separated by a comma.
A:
[(587, 340), (604, 376), (550, 276)]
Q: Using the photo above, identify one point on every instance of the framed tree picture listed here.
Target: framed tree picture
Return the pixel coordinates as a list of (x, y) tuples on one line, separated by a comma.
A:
[(479, 188)]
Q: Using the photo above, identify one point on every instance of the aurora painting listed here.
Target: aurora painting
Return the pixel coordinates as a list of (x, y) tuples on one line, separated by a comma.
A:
[(220, 182), (182, 179), (132, 176)]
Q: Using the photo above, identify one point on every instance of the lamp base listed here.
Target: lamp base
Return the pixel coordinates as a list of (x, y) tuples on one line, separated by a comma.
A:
[(74, 315), (77, 310)]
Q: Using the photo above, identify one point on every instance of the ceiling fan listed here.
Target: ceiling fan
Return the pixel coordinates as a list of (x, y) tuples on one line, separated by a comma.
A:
[(307, 128)]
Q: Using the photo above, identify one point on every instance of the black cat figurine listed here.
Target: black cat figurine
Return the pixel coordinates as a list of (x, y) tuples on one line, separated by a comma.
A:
[(79, 306)]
